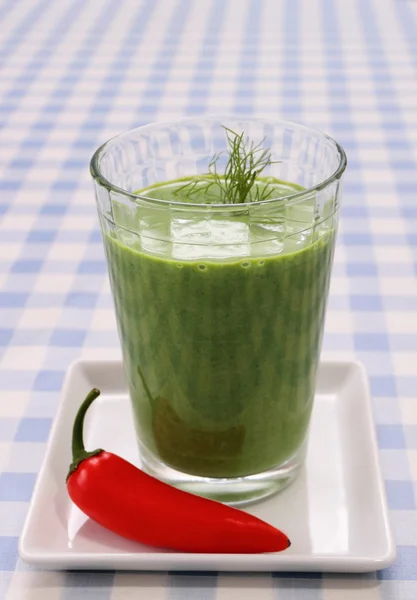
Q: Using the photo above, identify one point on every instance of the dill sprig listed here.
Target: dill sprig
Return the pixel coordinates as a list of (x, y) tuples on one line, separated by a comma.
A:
[(238, 184)]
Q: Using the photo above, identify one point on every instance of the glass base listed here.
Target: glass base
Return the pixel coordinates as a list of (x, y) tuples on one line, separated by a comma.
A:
[(234, 491)]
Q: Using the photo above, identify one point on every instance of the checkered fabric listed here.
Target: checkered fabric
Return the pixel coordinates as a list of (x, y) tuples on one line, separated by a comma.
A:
[(76, 72)]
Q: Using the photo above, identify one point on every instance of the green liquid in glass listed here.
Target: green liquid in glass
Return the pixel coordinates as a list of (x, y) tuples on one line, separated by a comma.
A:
[(221, 353)]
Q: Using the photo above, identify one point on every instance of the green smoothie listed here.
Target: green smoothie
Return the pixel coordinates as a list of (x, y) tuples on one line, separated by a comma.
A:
[(221, 351)]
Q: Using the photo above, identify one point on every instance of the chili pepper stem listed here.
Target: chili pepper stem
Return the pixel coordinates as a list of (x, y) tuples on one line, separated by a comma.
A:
[(79, 452)]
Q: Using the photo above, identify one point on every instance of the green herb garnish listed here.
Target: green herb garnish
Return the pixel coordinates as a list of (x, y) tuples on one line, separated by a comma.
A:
[(238, 184)]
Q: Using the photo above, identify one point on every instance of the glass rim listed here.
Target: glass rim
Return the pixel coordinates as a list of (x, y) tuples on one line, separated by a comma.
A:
[(291, 198)]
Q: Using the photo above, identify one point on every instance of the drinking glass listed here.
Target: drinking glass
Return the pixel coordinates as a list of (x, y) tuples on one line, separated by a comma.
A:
[(220, 307)]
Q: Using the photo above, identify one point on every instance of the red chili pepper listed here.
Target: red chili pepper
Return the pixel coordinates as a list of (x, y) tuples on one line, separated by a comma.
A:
[(124, 499)]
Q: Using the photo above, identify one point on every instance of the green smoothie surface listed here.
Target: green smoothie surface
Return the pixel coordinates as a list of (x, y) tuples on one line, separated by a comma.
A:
[(220, 318)]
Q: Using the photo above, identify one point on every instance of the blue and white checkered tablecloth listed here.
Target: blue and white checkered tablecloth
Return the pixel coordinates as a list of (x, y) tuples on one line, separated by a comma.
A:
[(76, 72)]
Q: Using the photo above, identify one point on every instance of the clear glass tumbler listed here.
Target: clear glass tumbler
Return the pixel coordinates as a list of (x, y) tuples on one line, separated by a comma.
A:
[(220, 307)]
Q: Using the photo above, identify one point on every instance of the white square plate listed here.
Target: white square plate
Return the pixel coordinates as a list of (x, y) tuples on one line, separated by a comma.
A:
[(335, 513)]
